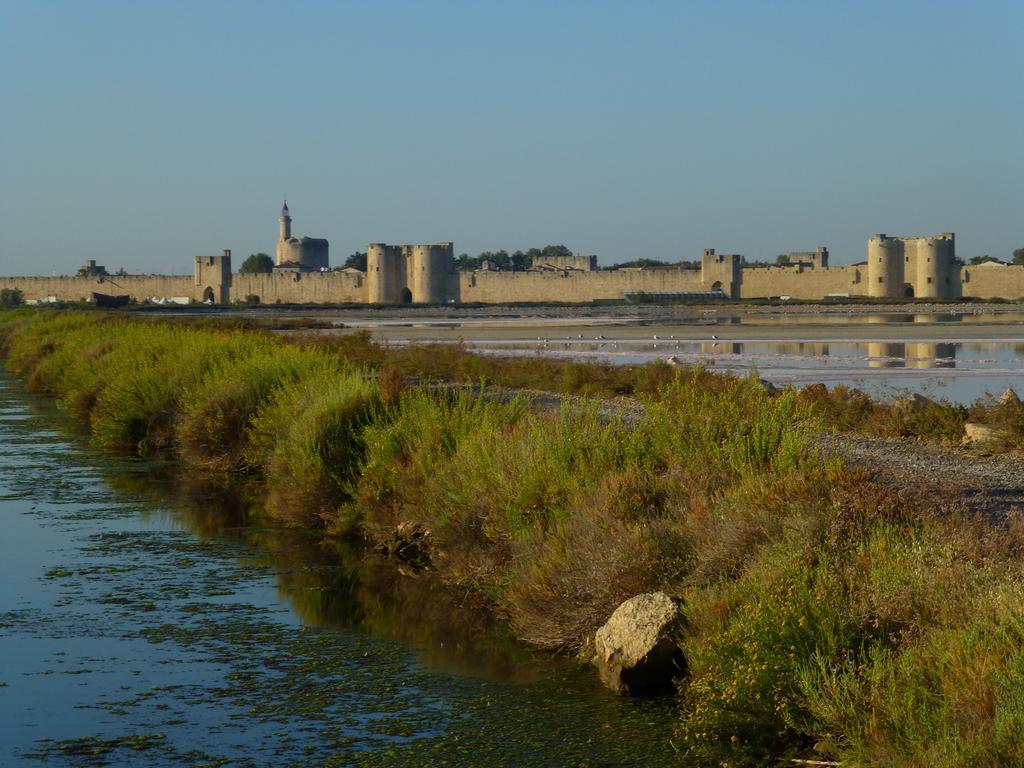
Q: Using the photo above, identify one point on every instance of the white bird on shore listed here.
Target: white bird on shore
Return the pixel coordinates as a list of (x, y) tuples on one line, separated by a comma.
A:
[(714, 337)]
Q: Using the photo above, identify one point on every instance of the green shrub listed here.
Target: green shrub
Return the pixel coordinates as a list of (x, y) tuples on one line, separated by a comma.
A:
[(308, 441), (217, 412)]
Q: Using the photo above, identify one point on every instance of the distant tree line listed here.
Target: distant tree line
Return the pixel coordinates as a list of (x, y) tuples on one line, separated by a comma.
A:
[(652, 263), (1017, 259), (517, 261)]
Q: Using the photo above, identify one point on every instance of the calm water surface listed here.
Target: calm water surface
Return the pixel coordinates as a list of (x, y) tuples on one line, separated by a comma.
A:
[(145, 621), (961, 356)]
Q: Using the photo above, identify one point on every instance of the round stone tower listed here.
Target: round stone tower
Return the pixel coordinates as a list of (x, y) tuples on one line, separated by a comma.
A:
[(885, 267), (429, 267), (384, 280), (930, 273)]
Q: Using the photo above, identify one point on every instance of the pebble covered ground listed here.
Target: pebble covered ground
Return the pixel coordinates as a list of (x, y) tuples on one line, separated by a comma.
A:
[(990, 484)]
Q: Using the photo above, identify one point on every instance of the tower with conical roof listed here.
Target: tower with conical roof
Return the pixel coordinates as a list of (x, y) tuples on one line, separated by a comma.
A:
[(285, 223)]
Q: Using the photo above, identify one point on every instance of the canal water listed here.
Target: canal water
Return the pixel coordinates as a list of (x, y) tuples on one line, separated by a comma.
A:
[(145, 620)]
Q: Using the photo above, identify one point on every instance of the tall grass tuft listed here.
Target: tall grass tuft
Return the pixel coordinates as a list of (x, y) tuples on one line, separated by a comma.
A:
[(217, 411), (308, 441)]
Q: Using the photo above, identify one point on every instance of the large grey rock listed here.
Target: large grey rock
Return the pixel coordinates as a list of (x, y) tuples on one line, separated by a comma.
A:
[(637, 650)]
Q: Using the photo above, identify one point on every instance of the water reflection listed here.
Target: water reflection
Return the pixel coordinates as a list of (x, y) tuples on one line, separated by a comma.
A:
[(130, 640), (337, 583), (911, 355)]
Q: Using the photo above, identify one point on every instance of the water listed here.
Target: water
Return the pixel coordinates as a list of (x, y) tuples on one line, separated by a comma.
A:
[(959, 356), (146, 621)]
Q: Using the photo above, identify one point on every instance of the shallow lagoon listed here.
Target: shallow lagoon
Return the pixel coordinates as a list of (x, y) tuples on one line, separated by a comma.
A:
[(146, 620), (961, 355)]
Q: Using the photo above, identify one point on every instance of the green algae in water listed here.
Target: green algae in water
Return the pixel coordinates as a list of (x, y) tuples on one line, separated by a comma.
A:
[(208, 664)]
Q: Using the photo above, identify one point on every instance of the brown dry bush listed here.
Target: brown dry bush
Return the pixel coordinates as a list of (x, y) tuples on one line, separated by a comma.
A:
[(726, 532), (565, 583), (392, 385)]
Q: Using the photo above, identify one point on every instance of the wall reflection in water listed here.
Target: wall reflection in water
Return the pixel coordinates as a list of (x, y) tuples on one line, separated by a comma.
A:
[(879, 354)]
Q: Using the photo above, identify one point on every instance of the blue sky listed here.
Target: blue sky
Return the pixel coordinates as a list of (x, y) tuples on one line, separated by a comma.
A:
[(143, 133)]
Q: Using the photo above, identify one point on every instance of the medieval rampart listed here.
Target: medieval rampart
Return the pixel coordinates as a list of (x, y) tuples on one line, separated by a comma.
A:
[(990, 281), (301, 288), (139, 287), (802, 283), (897, 266), (574, 286)]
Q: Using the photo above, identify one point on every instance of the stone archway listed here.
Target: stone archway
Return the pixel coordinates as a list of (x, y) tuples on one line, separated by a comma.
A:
[(209, 297), (716, 286), (908, 291), (406, 296)]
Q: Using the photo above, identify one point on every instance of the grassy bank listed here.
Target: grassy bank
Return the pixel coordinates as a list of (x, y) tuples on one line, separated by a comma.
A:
[(827, 616)]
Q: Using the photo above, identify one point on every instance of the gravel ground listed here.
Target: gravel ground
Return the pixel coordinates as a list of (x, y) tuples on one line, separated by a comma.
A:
[(990, 484)]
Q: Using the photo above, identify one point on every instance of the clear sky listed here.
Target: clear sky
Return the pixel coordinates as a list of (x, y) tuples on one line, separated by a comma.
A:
[(143, 133)]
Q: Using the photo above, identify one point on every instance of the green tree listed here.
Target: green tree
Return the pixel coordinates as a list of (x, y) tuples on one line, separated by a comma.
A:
[(1018, 256), (257, 263), (984, 259), (520, 261), (11, 297), (355, 260), (554, 251), (782, 259), (641, 263)]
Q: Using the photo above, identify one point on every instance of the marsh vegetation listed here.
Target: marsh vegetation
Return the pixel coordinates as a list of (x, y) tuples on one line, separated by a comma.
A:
[(828, 615)]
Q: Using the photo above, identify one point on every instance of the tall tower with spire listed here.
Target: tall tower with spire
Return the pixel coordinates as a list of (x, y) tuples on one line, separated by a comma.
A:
[(285, 223), (307, 254)]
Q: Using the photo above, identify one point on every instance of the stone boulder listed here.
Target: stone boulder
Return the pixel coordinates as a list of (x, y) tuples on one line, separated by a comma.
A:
[(913, 403), (981, 435), (1009, 397), (637, 650)]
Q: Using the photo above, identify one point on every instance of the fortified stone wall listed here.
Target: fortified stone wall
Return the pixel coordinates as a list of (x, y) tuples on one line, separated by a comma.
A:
[(301, 288), (802, 283), (896, 267), (139, 287), (574, 286), (990, 281)]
